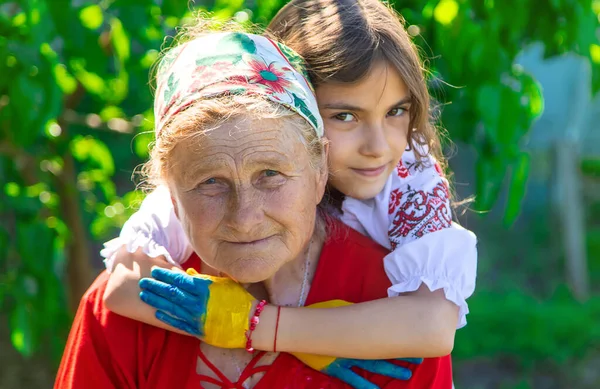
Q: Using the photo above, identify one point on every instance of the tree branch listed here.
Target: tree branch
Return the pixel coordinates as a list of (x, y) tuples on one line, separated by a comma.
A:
[(79, 266)]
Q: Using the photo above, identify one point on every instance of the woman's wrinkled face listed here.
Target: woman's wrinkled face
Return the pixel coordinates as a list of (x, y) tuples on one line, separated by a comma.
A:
[(367, 125), (246, 195)]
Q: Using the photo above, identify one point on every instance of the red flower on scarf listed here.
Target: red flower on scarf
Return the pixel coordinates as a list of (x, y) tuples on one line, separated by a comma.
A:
[(269, 76)]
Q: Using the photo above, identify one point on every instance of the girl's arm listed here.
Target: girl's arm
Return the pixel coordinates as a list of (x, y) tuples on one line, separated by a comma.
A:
[(122, 292), (419, 324), (151, 237), (412, 322)]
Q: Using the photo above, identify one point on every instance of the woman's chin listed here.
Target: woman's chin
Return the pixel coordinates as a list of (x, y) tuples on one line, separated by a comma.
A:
[(250, 271)]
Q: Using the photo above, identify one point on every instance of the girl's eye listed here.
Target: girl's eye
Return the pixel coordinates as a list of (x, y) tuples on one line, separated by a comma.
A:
[(344, 117), (396, 112)]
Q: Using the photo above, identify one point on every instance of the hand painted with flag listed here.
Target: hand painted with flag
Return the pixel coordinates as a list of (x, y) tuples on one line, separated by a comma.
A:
[(341, 368), (217, 309)]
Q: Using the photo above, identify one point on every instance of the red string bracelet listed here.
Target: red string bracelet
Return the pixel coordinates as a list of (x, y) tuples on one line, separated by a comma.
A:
[(276, 329), (253, 323)]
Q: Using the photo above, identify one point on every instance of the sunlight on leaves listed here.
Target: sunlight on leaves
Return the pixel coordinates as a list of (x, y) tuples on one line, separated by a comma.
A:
[(21, 334), (120, 40), (595, 53), (93, 151), (445, 12), (91, 17)]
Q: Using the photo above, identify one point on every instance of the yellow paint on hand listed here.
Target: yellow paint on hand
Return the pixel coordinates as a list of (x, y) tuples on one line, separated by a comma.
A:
[(227, 312), (320, 362)]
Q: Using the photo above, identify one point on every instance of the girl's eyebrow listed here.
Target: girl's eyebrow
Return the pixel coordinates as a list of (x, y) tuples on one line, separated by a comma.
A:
[(350, 107)]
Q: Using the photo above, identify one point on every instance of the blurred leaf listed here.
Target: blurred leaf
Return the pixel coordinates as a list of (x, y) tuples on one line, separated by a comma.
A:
[(118, 88), (92, 82), (595, 53), (94, 152), (149, 58), (445, 12), (21, 330), (12, 189), (226, 9), (490, 174), (30, 94), (41, 26), (516, 189), (65, 81), (591, 167), (175, 8), (141, 144), (533, 91), (120, 40), (133, 199), (111, 112), (34, 244), (91, 16), (489, 104), (264, 10)]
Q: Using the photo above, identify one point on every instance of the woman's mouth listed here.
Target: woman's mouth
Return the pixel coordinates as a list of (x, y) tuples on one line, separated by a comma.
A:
[(251, 242), (370, 172)]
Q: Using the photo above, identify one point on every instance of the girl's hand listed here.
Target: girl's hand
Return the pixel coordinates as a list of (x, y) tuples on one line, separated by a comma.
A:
[(216, 309), (341, 368)]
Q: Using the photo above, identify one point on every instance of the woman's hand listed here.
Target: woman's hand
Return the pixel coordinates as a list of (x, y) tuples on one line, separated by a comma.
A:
[(341, 368), (216, 309)]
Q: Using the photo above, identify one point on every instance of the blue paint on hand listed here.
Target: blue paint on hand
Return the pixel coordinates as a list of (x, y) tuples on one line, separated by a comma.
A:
[(181, 300), (341, 369)]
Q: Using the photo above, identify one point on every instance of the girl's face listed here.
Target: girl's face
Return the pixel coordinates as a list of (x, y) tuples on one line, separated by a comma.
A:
[(367, 125)]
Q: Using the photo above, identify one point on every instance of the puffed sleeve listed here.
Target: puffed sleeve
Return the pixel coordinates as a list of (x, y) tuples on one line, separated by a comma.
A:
[(155, 229), (445, 259)]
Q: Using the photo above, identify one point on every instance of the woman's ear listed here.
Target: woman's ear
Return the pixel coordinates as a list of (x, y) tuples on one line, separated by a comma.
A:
[(175, 207)]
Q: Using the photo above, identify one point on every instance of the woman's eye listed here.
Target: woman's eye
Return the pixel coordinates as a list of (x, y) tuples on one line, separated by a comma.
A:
[(211, 186), (271, 173), (396, 112), (344, 117)]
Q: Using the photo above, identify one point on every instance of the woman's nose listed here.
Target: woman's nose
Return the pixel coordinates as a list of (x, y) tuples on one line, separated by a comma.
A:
[(245, 212), (374, 143)]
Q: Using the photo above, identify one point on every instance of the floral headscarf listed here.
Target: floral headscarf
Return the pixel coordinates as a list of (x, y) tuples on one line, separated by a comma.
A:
[(233, 63)]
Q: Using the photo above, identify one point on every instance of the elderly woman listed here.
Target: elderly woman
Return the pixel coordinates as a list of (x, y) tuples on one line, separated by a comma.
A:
[(238, 144)]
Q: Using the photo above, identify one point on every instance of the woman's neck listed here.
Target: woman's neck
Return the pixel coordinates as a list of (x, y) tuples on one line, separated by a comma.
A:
[(290, 285)]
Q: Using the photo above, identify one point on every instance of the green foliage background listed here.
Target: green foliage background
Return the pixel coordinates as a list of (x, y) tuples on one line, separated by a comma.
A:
[(75, 119)]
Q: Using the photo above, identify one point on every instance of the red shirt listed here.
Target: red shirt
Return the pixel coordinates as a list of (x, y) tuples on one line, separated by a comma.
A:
[(105, 350)]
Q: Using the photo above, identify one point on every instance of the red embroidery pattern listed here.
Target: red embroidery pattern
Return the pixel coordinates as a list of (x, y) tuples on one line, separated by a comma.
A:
[(395, 197), (439, 170), (418, 213), (401, 170)]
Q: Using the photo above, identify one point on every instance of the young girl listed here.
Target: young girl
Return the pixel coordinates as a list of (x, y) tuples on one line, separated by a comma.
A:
[(385, 177)]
